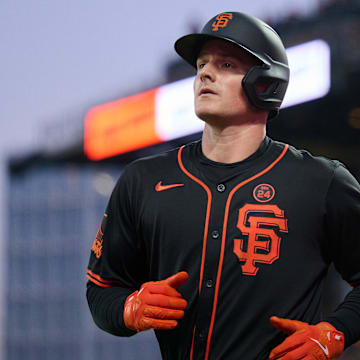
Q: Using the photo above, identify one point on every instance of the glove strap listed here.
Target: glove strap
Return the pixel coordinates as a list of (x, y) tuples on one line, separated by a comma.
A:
[(334, 337), (129, 312)]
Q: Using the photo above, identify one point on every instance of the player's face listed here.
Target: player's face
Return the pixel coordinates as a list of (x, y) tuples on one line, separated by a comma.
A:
[(218, 92)]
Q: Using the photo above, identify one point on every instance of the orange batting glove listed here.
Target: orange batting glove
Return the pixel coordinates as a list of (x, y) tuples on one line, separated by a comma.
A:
[(157, 305), (308, 342)]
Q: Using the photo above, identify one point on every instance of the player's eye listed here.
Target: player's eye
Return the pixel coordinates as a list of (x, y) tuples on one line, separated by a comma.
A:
[(227, 65), (200, 66)]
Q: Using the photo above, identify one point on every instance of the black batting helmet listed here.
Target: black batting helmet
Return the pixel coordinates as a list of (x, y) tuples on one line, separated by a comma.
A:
[(256, 38)]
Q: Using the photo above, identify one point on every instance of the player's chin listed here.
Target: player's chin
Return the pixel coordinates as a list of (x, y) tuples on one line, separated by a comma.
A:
[(211, 117), (205, 113), (206, 117)]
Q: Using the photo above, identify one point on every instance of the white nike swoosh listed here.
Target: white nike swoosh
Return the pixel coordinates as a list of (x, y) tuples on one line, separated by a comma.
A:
[(323, 348)]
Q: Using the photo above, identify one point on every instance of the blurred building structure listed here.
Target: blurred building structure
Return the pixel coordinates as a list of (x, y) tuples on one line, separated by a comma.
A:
[(57, 198), (53, 215)]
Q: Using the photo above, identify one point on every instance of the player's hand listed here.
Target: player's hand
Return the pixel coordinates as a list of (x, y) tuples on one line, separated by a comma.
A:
[(157, 305), (308, 342)]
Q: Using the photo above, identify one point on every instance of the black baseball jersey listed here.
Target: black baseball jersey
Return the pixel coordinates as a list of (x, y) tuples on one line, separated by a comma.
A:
[(256, 238)]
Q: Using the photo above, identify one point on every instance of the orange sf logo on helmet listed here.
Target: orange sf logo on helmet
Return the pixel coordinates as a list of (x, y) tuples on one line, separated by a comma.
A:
[(221, 21)]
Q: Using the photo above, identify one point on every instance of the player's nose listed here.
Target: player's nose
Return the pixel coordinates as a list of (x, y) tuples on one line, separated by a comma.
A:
[(207, 72)]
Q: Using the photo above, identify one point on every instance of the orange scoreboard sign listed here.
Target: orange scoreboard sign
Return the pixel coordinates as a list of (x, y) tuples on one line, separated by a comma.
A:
[(141, 120), (120, 126)]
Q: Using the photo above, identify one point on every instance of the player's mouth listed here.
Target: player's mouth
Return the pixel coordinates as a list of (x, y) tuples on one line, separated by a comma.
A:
[(206, 91)]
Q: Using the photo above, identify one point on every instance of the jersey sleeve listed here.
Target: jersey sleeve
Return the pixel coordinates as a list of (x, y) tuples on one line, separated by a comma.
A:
[(117, 257), (342, 220)]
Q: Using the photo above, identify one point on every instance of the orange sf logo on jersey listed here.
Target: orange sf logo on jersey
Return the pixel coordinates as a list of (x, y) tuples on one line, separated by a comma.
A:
[(269, 245), (221, 21)]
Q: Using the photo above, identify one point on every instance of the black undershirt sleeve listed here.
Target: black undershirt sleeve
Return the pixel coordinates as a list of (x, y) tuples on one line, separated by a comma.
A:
[(343, 241), (106, 307), (346, 318)]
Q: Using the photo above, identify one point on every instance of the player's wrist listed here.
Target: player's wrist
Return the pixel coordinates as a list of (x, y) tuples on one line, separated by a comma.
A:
[(324, 325)]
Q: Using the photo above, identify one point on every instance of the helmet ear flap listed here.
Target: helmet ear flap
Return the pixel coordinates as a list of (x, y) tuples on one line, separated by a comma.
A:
[(265, 88)]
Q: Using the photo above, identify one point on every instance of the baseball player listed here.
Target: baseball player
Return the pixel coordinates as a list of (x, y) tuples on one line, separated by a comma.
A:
[(223, 245)]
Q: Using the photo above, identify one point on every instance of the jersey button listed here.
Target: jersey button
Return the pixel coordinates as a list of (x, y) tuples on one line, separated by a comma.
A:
[(202, 335), (220, 188), (209, 283), (215, 234)]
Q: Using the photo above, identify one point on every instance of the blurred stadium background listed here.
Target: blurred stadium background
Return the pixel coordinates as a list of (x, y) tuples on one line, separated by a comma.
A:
[(58, 61)]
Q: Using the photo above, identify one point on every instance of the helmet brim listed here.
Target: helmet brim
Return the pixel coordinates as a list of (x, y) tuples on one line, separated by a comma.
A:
[(189, 47)]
